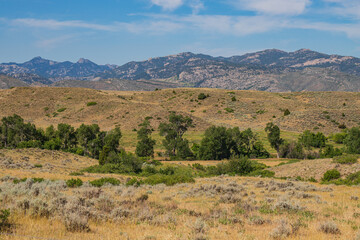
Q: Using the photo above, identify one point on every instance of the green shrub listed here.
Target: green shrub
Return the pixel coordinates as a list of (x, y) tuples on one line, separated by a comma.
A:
[(134, 182), (169, 180), (100, 182), (38, 165), (91, 104), (149, 170), (4, 219), (233, 99), (286, 112), (72, 183), (262, 173), (16, 180), (61, 109), (198, 166), (331, 175), (38, 180), (76, 174), (167, 171), (202, 96), (30, 144), (346, 159), (229, 110), (339, 137)]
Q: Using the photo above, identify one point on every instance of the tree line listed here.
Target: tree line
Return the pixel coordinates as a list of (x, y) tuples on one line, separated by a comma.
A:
[(218, 142)]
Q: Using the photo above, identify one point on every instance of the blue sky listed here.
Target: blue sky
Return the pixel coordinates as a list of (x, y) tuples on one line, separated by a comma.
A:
[(118, 31)]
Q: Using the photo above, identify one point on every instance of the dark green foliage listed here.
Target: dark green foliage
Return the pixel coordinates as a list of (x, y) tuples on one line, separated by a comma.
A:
[(4, 219), (169, 180), (167, 171), (221, 143), (331, 175), (38, 165), (342, 126), (38, 180), (346, 159), (286, 112), (174, 143), (216, 144), (76, 174), (61, 109), (273, 135), (262, 173), (352, 141), (91, 139), (198, 166), (291, 150), (289, 162), (91, 104), (73, 183), (100, 182), (241, 166), (229, 110), (310, 139), (339, 137), (30, 144), (14, 131), (149, 170), (67, 136), (329, 151), (16, 180), (202, 96), (145, 145), (118, 163), (233, 99), (247, 144), (134, 182)]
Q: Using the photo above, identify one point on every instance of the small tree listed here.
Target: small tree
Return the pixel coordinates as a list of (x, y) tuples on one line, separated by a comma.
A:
[(173, 132), (352, 141), (216, 144), (145, 145), (273, 134)]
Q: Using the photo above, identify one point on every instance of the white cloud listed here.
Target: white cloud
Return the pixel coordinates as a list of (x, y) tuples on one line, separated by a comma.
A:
[(196, 6), (273, 7), (244, 25), (54, 24), (168, 4), (345, 8)]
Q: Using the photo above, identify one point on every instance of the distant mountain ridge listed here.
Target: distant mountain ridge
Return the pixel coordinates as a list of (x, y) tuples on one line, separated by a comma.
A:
[(269, 70)]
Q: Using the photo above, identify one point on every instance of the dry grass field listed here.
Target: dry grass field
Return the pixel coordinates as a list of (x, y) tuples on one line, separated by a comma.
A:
[(211, 208), (321, 111)]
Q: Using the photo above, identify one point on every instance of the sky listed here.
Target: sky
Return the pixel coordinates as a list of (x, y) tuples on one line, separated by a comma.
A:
[(119, 31)]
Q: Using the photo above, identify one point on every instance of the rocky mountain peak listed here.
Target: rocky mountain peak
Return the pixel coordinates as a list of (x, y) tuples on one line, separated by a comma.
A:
[(84, 60)]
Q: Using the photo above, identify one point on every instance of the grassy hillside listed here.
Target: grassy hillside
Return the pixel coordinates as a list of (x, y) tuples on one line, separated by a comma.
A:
[(321, 111), (9, 82)]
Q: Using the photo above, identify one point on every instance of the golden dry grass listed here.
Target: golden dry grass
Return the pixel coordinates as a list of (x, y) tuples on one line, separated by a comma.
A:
[(309, 110), (318, 206)]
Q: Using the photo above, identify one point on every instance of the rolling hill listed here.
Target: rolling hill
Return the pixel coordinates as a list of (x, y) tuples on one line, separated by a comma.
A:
[(323, 111)]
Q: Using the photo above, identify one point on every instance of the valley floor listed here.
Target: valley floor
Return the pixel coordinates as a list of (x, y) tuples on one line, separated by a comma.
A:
[(211, 208)]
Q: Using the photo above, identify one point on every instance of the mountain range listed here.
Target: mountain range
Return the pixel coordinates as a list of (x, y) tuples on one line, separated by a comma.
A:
[(269, 70)]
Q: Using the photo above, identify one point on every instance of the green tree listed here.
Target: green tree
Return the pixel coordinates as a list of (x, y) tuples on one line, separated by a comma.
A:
[(216, 144), (173, 132), (309, 139), (90, 138), (66, 134), (273, 135), (14, 131), (352, 140), (145, 144)]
